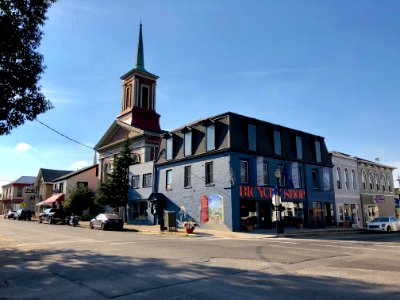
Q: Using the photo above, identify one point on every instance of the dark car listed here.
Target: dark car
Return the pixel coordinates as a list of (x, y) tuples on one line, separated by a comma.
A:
[(106, 221), (52, 216), (10, 214), (23, 214)]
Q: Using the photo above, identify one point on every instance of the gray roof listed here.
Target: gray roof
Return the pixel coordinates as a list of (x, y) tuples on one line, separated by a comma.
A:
[(28, 180), (49, 175)]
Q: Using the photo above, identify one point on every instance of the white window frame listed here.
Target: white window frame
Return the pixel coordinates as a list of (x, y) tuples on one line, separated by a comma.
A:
[(188, 143), (244, 171)]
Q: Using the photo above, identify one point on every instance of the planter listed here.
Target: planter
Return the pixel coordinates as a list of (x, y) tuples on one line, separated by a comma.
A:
[(189, 230)]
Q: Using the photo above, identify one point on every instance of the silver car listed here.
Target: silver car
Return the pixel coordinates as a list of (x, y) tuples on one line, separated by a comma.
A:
[(107, 221), (387, 224)]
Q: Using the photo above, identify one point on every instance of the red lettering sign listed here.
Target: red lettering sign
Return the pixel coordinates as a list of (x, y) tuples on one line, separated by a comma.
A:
[(266, 193)]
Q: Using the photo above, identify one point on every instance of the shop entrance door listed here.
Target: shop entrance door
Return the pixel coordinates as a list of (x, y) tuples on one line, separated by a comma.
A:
[(265, 215)]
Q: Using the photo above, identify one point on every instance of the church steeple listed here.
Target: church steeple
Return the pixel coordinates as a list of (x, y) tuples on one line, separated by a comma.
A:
[(139, 53), (139, 94)]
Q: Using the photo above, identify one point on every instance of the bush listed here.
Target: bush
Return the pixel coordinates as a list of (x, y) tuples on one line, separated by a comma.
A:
[(86, 217)]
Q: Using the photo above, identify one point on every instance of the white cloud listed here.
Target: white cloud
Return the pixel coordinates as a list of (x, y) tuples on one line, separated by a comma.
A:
[(23, 147), (272, 72), (79, 164)]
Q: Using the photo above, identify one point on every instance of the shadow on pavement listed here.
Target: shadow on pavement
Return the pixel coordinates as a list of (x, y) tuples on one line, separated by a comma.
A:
[(70, 274)]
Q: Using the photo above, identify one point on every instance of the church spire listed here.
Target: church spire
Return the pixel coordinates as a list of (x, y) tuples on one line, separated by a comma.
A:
[(139, 54)]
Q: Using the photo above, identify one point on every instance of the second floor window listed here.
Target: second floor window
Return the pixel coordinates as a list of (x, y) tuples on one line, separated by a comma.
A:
[(19, 192), (383, 183), (265, 173), (371, 186), (244, 171), (209, 170), (364, 180), (168, 179), (353, 179), (389, 185), (346, 179), (338, 179), (147, 180), (188, 176), (135, 181), (315, 183), (377, 181)]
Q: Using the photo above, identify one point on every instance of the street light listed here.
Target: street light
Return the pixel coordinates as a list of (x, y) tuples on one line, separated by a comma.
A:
[(278, 177)]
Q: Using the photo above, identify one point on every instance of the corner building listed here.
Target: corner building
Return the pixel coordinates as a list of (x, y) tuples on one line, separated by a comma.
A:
[(221, 170)]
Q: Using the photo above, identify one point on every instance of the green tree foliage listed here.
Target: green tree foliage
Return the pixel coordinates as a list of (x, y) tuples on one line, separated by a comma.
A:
[(114, 190), (21, 64), (80, 199)]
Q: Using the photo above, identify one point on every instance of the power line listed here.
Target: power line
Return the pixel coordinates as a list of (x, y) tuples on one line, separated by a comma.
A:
[(63, 135)]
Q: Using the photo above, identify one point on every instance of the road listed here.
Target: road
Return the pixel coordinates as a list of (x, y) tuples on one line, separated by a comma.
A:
[(40, 261)]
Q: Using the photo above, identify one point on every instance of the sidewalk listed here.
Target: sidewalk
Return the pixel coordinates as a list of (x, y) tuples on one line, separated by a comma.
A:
[(256, 234)]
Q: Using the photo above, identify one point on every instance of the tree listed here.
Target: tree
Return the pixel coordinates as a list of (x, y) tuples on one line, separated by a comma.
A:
[(21, 64), (114, 190), (80, 199)]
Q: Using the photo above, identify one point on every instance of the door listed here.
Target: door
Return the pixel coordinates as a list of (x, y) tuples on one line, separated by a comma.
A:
[(265, 215)]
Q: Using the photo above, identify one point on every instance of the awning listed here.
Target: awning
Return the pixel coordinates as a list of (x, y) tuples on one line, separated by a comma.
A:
[(54, 198)]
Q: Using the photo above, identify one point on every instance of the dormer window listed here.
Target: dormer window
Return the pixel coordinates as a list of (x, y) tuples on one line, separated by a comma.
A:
[(210, 137), (188, 142), (169, 148), (318, 151), (145, 96), (252, 137), (299, 147), (277, 142)]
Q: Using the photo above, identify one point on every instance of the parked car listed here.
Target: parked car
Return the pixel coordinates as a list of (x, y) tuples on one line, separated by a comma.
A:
[(387, 224), (10, 214), (23, 214), (106, 221), (52, 216)]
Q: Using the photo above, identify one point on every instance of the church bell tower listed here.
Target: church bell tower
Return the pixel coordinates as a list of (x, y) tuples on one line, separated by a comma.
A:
[(138, 107)]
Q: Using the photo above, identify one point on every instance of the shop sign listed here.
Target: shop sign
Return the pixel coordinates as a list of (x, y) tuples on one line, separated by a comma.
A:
[(258, 192), (379, 199)]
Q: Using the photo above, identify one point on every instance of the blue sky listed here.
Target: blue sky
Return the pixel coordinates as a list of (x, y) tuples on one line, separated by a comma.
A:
[(331, 68)]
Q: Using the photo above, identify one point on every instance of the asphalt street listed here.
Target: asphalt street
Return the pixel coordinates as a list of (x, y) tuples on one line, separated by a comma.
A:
[(41, 261)]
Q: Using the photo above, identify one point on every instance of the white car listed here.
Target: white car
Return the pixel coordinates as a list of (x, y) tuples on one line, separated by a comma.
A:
[(387, 224)]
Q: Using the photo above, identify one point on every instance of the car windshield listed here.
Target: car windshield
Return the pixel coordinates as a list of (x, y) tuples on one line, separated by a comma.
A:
[(381, 220), (112, 216)]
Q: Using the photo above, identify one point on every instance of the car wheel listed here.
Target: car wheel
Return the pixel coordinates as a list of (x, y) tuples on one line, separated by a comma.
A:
[(389, 230), (50, 220), (91, 225), (40, 220), (103, 226)]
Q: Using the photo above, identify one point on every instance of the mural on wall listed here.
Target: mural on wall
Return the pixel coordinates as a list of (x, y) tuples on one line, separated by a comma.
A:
[(212, 209)]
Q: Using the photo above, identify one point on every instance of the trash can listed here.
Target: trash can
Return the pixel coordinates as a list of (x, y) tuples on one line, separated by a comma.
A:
[(170, 220), (281, 227)]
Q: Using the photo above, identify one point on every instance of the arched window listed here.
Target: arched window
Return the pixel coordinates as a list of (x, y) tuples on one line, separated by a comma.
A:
[(370, 181), (353, 179), (377, 181), (346, 179), (383, 183), (364, 180), (389, 184), (338, 179)]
